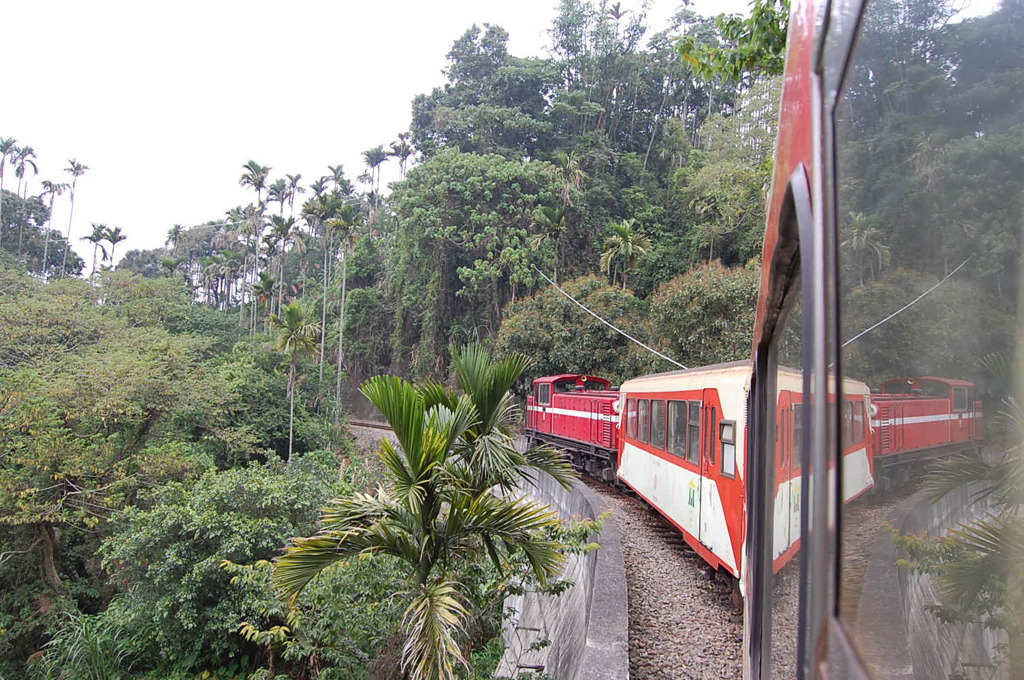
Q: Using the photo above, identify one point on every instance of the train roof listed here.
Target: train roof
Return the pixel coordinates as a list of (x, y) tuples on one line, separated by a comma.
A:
[(953, 382), (691, 378), (569, 376)]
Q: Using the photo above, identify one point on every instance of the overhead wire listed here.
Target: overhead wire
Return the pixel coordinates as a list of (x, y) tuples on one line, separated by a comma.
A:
[(605, 322), (908, 305)]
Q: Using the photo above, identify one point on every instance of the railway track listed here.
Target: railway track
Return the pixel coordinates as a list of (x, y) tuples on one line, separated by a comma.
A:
[(370, 424)]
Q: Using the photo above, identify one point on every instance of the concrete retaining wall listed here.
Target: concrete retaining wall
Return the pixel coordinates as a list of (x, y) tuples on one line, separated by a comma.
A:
[(583, 633), (936, 649)]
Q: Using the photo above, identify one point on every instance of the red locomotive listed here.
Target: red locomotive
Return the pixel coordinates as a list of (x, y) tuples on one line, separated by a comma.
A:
[(913, 418), (576, 413)]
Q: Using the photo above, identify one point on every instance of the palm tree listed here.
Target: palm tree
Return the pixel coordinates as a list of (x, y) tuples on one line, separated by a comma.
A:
[(319, 186), (22, 159), (114, 236), (77, 170), (278, 193), (429, 514), (551, 223), (344, 225), (864, 244), (282, 230), (296, 336), (570, 175), (338, 177), (96, 238), (51, 189), (174, 235), (318, 211), (402, 150), (264, 290), (374, 158), (294, 189), (8, 147), (255, 177), (625, 244)]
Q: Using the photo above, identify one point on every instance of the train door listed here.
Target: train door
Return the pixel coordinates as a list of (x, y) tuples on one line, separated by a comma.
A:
[(961, 426), (542, 397), (708, 498)]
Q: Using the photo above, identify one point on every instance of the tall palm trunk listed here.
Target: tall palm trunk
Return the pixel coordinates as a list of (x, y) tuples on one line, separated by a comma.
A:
[(323, 305), (67, 244), (46, 243), (341, 334), (291, 408)]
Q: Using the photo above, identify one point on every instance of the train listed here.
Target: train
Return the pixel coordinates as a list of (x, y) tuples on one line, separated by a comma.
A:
[(674, 439)]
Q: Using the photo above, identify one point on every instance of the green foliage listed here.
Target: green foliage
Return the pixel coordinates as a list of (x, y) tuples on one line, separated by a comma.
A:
[(893, 349), (565, 339), (746, 46), (87, 648), (166, 554), (464, 222), (435, 511), (705, 316)]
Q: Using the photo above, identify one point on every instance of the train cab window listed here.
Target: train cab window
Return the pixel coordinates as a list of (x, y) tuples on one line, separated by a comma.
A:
[(677, 428), (631, 418), (960, 399), (693, 441), (727, 433), (544, 394), (658, 424), (857, 423), (644, 420)]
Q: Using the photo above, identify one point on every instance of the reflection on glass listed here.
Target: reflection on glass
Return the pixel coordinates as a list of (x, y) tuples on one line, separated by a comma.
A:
[(930, 135)]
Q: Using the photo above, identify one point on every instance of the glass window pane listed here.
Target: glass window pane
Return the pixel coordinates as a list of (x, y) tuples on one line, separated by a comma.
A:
[(631, 418), (677, 428), (693, 445), (658, 424), (929, 156), (644, 420)]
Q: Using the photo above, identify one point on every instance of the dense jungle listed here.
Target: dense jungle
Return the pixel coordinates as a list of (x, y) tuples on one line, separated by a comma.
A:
[(169, 423)]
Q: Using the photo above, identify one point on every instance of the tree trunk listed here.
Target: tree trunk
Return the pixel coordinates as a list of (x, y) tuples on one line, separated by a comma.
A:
[(323, 304), (341, 335), (46, 243), (291, 408), (46, 538), (67, 245)]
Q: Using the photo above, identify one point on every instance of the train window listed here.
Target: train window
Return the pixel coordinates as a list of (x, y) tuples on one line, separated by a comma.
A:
[(857, 424), (658, 423), (693, 443), (727, 433), (544, 393), (677, 428), (631, 418), (644, 420), (960, 398), (928, 181)]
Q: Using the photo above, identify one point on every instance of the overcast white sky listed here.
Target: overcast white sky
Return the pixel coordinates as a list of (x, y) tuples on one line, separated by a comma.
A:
[(165, 101)]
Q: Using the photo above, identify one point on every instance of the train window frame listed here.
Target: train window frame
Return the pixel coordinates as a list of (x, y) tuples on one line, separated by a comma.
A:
[(643, 420), (857, 423), (960, 393), (544, 394), (693, 432), (662, 444), (631, 418), (712, 443), (674, 427), (728, 447)]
